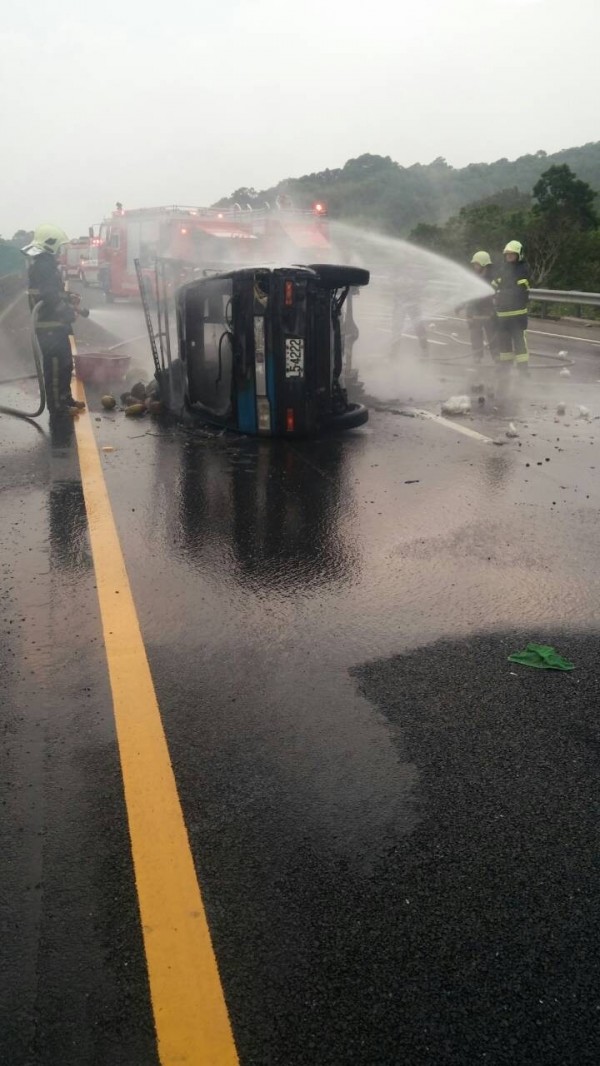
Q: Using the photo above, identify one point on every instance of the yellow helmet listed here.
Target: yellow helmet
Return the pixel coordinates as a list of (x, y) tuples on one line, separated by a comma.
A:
[(49, 238), (482, 259), (516, 247)]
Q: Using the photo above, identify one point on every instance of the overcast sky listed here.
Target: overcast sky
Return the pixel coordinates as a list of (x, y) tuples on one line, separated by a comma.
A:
[(182, 101)]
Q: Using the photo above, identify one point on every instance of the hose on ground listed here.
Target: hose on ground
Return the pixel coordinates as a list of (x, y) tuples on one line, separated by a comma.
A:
[(553, 361), (38, 358)]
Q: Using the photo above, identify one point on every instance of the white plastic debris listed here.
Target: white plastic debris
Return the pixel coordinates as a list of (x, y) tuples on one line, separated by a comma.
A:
[(583, 412), (563, 354), (456, 405), (565, 372), (561, 408), (454, 336), (512, 430)]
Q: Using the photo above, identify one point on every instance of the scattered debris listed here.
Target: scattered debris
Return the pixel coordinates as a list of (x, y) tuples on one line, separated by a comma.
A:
[(456, 405), (107, 448), (561, 408), (481, 400), (563, 354), (138, 391), (583, 412), (512, 430), (415, 482), (541, 657), (565, 372)]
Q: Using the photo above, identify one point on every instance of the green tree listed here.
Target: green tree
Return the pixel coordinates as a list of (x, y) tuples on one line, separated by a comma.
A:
[(563, 199), (22, 237)]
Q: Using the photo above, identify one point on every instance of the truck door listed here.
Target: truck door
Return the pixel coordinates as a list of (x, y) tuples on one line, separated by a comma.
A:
[(208, 349)]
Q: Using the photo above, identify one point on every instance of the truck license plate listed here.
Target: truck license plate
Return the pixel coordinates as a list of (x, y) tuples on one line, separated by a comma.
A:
[(294, 357)]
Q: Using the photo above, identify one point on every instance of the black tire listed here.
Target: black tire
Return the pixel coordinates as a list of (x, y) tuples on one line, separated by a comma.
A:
[(355, 415), (338, 277)]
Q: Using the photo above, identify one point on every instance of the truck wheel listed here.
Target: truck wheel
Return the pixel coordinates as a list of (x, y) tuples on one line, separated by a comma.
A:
[(339, 277), (355, 415)]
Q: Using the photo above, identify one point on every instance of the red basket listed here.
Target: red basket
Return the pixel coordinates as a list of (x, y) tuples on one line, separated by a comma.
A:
[(100, 368)]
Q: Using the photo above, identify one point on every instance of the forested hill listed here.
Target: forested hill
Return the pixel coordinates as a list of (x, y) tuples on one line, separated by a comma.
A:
[(377, 190)]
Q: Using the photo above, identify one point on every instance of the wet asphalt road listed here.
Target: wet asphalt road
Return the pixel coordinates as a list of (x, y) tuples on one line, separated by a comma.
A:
[(394, 828)]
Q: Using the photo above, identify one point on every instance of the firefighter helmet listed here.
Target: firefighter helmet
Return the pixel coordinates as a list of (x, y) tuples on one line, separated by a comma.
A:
[(516, 247), (482, 259), (49, 238)]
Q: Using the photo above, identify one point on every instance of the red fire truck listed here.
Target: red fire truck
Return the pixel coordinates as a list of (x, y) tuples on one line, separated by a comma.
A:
[(71, 255), (209, 238), (202, 236)]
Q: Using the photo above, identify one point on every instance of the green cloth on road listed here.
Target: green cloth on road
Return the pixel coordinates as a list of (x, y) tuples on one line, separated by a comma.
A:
[(542, 657)]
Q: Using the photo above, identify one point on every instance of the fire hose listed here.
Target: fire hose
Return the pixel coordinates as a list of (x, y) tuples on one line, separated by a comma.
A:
[(39, 368)]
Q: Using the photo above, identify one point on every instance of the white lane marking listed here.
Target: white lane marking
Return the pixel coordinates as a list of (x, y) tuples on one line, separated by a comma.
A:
[(561, 336), (412, 336), (456, 426), (430, 340), (537, 332)]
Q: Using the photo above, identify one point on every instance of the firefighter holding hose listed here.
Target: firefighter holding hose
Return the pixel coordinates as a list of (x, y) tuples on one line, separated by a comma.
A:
[(55, 316), (512, 300), (481, 314)]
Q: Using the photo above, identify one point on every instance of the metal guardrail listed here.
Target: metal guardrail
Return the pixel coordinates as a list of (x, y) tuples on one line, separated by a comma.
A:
[(566, 296)]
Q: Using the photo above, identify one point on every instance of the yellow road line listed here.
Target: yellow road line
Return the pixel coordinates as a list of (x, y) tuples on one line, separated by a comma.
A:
[(190, 1014)]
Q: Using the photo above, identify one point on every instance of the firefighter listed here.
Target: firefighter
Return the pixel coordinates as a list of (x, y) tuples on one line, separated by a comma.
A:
[(55, 317), (512, 298), (481, 313)]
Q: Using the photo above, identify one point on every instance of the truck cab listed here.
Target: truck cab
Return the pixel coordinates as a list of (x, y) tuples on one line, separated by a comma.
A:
[(261, 350)]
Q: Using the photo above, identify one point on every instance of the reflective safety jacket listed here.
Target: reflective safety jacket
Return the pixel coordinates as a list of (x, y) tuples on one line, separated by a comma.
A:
[(46, 284), (512, 290)]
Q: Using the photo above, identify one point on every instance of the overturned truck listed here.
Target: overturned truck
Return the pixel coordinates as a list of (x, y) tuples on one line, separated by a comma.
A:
[(257, 350)]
